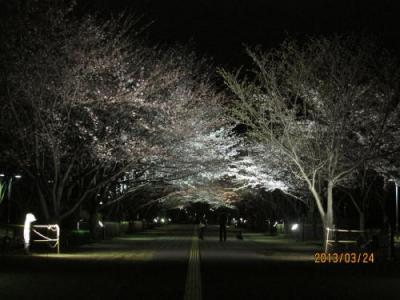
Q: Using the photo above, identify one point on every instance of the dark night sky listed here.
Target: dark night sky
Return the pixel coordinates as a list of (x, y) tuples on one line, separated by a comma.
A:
[(220, 27)]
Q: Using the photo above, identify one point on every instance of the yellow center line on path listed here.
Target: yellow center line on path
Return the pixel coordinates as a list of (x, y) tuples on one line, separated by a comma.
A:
[(193, 277)]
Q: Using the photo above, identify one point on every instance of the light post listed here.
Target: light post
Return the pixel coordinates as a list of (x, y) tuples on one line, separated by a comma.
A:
[(397, 206), (396, 183)]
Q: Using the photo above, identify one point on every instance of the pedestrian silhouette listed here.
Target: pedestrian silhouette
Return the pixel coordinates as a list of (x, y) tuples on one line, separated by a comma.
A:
[(202, 227), (223, 218)]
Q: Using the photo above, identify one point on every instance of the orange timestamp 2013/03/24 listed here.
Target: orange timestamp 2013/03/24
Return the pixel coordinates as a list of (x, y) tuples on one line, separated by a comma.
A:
[(344, 257)]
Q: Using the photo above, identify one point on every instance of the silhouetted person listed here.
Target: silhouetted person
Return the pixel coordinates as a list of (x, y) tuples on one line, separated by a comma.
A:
[(374, 246), (202, 227), (223, 219)]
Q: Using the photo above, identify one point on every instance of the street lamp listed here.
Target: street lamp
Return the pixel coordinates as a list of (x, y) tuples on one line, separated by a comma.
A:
[(397, 206), (396, 183), (29, 219), (295, 227)]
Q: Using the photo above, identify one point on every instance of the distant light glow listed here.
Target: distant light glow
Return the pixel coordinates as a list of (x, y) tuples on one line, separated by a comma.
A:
[(101, 202), (2, 175), (155, 220), (18, 176), (295, 227), (101, 224)]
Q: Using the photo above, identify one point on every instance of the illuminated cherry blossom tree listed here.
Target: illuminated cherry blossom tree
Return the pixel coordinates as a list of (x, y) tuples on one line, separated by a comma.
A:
[(222, 164), (327, 106), (93, 114)]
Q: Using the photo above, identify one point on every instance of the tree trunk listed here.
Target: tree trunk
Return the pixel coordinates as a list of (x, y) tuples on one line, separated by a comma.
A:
[(329, 207), (43, 203), (328, 218), (362, 220), (93, 220), (313, 220)]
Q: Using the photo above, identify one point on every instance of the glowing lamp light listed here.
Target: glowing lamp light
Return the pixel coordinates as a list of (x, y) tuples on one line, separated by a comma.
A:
[(295, 227), (101, 224), (162, 220), (78, 224), (155, 220), (29, 219), (18, 176), (275, 224), (2, 175)]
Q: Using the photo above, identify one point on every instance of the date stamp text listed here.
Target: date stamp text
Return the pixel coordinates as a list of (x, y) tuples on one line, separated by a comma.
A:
[(344, 258)]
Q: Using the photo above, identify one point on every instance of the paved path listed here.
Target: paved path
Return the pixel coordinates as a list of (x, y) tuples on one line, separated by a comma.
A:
[(171, 263)]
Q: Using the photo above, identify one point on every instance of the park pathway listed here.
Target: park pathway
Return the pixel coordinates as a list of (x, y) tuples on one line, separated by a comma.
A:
[(170, 262)]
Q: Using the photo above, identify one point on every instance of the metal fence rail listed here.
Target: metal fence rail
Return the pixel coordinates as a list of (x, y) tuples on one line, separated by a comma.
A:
[(333, 238), (41, 237)]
